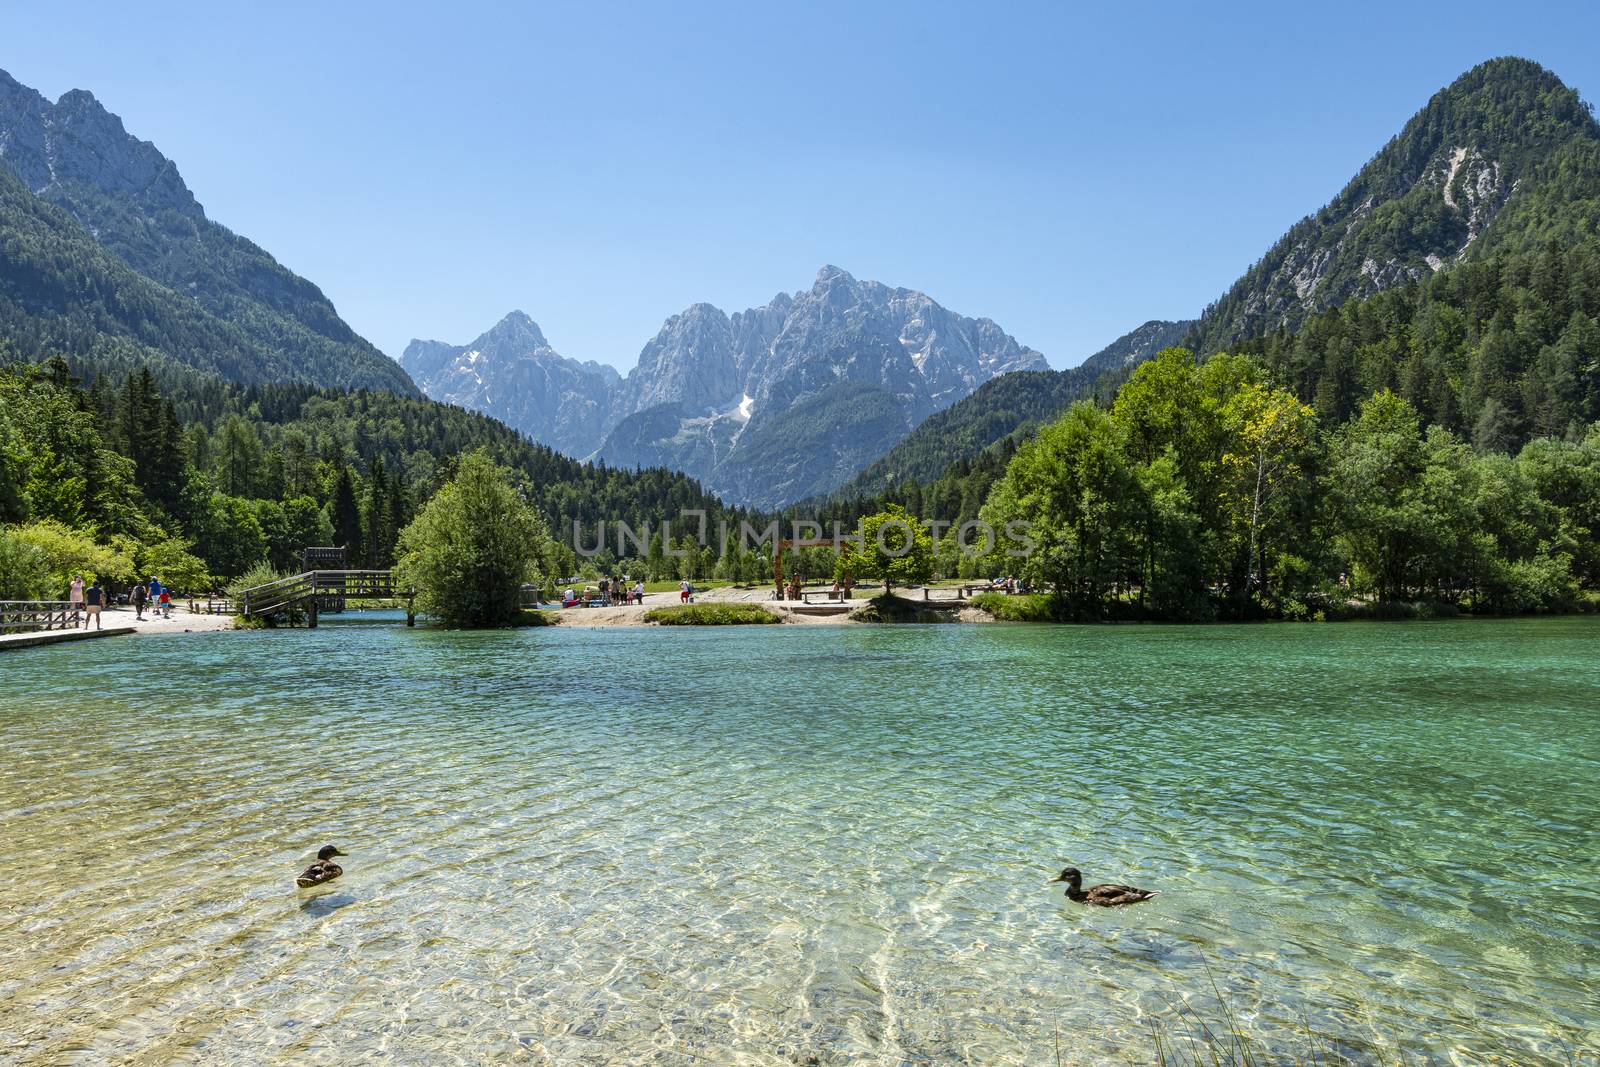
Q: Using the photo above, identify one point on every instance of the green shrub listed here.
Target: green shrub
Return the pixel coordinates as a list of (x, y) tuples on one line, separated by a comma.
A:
[(1023, 607), (710, 615), (24, 569), (262, 573)]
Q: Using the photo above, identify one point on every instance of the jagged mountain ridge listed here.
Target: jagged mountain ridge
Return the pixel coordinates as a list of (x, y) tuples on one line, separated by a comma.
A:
[(1469, 174), (717, 395), (512, 372), (128, 197)]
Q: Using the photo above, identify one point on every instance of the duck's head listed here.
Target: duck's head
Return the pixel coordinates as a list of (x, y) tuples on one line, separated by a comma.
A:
[(1068, 874), (327, 852)]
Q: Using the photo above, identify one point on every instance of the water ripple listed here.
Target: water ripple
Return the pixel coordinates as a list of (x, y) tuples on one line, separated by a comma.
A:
[(812, 846)]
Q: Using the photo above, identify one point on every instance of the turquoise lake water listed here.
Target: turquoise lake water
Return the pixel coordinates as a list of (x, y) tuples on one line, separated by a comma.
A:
[(806, 844)]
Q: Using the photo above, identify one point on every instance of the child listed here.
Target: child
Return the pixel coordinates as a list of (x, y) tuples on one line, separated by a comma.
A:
[(166, 603)]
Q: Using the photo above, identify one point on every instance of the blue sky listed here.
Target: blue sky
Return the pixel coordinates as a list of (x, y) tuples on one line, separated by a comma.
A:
[(1068, 172)]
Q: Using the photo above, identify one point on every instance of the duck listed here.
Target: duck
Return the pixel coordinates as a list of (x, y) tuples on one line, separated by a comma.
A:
[(1105, 896), (324, 870)]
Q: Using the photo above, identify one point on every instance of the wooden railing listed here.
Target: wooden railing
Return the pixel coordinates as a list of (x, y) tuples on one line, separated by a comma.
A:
[(313, 589), (18, 616)]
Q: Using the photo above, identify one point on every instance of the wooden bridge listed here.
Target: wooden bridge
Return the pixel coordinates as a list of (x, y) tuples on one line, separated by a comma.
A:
[(315, 591), (22, 616)]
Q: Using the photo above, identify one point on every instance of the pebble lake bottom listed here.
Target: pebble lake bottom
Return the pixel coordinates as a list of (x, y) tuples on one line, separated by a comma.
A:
[(797, 845)]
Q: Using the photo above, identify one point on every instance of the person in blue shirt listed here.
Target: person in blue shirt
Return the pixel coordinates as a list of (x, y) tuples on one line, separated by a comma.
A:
[(93, 600)]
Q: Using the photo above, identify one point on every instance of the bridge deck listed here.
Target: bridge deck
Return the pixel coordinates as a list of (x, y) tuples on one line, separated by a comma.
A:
[(308, 591)]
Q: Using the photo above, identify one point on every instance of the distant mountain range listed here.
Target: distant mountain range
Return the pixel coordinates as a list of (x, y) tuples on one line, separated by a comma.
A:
[(852, 386), (793, 400), (766, 406), (106, 250)]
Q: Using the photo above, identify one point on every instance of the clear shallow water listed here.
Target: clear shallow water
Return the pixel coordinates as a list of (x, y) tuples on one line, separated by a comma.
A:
[(801, 844)]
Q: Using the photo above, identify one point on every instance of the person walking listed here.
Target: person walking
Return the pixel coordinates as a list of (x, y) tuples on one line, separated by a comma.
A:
[(638, 592), (140, 596), (166, 603), (93, 599)]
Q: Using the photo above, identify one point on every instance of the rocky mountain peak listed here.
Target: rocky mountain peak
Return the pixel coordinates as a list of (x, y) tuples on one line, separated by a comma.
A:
[(517, 332), (77, 140), (828, 274)]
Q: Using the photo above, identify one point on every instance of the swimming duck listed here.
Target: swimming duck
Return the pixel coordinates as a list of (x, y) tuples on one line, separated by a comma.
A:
[(324, 870), (1106, 896)]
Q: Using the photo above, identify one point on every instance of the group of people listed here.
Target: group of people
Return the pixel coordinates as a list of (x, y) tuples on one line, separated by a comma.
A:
[(89, 599), (613, 591), (795, 590), (619, 592)]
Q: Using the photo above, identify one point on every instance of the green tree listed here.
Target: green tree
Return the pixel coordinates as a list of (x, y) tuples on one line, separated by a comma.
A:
[(894, 546), (1270, 433), (473, 546), (345, 514), (174, 561), (305, 525), (14, 502), (1376, 465), (1071, 489), (24, 569), (63, 552), (228, 535), (238, 457)]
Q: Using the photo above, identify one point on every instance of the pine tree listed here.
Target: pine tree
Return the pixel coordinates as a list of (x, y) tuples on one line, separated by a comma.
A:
[(398, 514), (345, 514), (379, 534)]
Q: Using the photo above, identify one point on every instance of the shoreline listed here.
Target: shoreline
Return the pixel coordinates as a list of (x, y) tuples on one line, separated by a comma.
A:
[(788, 612)]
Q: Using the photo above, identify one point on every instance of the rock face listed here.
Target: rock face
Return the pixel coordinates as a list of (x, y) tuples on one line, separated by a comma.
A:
[(766, 406), (76, 155), (1505, 131), (512, 373)]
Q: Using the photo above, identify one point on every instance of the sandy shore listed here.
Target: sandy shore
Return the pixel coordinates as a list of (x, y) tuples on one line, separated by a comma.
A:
[(787, 611), (181, 621), (633, 615)]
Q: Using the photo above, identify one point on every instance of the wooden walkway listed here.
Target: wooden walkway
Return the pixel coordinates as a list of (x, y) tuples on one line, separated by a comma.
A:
[(313, 591), (9, 641)]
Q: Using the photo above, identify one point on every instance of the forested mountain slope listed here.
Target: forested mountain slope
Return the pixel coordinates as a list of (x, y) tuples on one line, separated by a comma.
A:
[(1010, 404), (131, 200), (1502, 159), (1500, 350)]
